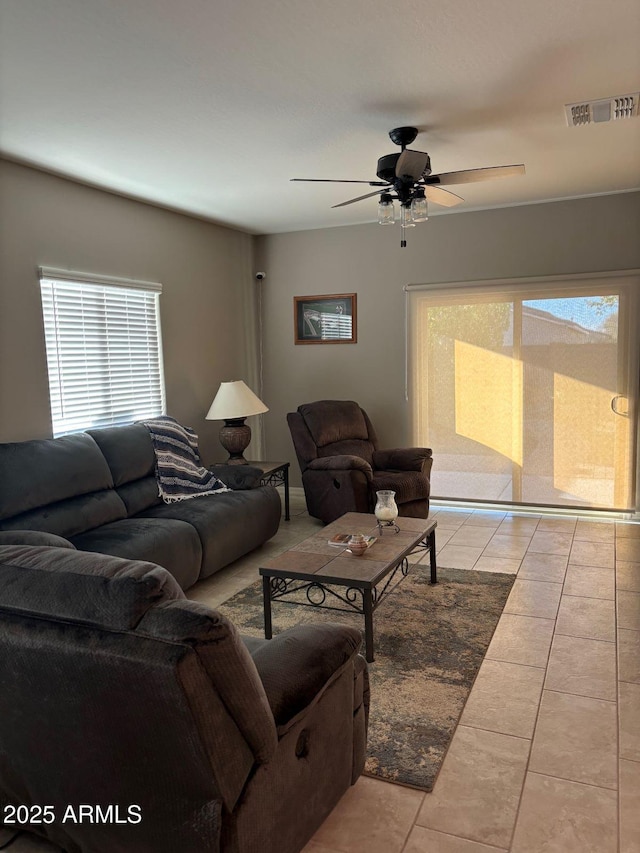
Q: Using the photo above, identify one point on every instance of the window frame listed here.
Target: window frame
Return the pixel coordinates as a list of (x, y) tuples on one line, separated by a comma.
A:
[(128, 307)]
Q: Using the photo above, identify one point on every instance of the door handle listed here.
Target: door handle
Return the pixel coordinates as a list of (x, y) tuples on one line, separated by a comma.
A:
[(614, 405)]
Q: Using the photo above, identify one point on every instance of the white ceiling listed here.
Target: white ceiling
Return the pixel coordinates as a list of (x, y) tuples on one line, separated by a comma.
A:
[(211, 106)]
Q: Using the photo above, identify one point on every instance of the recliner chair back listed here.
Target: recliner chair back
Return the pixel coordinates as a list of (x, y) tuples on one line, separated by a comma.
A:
[(118, 691), (331, 428)]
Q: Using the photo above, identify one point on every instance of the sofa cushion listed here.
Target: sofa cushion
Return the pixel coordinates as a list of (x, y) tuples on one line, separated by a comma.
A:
[(139, 495), (33, 537), (132, 461), (170, 543), (96, 589), (297, 664), (72, 516), (330, 421), (128, 451), (41, 472), (229, 524)]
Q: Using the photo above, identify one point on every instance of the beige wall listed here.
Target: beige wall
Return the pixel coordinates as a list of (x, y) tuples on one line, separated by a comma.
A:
[(208, 292), (585, 235), (205, 270)]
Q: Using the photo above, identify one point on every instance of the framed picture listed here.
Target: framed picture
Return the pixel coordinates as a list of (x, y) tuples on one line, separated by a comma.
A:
[(328, 319)]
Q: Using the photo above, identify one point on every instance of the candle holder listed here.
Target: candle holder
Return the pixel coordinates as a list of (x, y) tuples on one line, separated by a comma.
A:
[(386, 511)]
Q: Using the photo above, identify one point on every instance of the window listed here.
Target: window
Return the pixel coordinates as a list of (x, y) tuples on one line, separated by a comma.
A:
[(526, 391), (104, 352)]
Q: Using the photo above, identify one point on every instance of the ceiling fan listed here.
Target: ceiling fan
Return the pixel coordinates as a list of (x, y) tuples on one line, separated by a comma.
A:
[(406, 177)]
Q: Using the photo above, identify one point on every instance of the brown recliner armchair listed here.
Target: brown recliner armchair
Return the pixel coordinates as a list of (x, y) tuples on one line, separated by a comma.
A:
[(343, 468), (123, 699)]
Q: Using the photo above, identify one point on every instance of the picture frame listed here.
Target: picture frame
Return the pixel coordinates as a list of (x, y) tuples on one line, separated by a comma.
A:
[(325, 319)]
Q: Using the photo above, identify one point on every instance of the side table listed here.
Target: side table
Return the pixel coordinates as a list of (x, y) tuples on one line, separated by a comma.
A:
[(275, 474)]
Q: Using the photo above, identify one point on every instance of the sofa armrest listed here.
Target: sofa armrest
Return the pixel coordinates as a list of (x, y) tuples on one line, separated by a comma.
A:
[(402, 459), (34, 537), (238, 477), (296, 665), (341, 463)]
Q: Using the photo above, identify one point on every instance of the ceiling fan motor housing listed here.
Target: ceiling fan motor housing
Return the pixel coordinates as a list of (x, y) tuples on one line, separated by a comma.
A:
[(386, 170), (387, 167)]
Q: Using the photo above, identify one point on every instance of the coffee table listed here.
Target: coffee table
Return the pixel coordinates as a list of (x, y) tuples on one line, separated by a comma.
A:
[(333, 578)]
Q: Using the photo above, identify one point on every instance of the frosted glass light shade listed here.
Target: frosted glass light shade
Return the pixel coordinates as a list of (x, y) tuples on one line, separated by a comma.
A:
[(419, 211), (386, 211), (405, 216), (235, 400)]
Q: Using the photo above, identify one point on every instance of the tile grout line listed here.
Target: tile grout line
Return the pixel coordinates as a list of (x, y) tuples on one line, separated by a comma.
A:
[(415, 818), (535, 725), (526, 769), (459, 724), (572, 781), (616, 638)]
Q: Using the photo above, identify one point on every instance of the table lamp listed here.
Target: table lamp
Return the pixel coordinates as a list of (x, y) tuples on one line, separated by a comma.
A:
[(233, 403)]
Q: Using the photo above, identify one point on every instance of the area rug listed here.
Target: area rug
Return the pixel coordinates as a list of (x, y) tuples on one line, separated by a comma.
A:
[(429, 644)]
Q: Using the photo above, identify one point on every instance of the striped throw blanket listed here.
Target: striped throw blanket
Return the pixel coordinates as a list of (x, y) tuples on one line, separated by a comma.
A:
[(179, 471)]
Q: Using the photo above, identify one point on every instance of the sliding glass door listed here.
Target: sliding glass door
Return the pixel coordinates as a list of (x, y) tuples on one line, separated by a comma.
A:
[(526, 391)]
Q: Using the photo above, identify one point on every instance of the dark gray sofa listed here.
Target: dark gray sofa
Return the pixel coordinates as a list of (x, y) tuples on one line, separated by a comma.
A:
[(116, 691), (98, 491)]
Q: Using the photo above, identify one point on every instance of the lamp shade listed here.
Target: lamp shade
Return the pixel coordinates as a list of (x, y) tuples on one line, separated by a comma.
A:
[(235, 400)]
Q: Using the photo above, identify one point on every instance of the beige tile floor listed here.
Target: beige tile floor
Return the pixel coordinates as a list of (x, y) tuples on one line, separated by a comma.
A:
[(546, 755)]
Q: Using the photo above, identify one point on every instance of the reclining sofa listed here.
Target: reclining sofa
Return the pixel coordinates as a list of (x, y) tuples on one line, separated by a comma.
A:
[(98, 491), (120, 694)]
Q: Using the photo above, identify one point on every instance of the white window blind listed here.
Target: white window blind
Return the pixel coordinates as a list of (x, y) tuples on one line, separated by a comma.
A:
[(104, 351)]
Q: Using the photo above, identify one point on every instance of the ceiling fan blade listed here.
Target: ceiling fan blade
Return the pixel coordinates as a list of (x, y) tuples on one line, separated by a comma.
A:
[(439, 196), (412, 164), (360, 197), (470, 176), (339, 181)]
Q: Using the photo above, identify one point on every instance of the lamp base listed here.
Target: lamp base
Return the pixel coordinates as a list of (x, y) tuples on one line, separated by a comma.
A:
[(235, 436)]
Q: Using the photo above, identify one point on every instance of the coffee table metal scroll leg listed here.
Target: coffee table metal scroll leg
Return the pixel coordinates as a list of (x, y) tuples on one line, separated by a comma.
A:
[(432, 556), (266, 594), (367, 606)]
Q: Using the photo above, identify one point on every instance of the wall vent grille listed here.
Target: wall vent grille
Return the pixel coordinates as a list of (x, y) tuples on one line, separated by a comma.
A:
[(605, 109)]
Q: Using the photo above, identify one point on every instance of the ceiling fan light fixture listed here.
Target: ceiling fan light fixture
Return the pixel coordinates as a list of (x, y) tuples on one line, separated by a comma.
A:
[(407, 178), (386, 210), (419, 211)]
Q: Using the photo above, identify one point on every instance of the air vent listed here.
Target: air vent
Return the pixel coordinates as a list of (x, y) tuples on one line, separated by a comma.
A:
[(606, 109)]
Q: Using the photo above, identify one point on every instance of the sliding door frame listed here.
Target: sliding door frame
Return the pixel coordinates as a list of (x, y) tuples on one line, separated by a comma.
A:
[(628, 340)]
